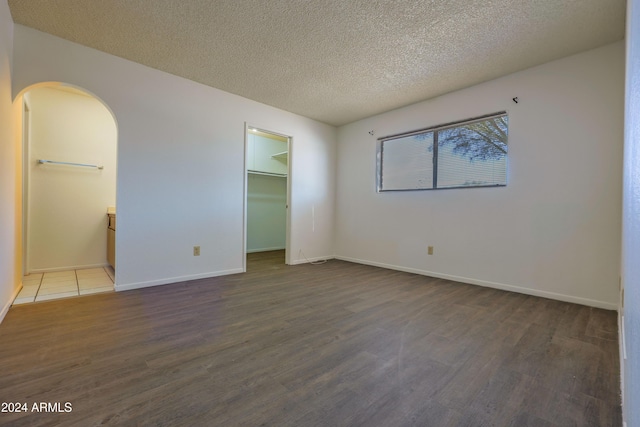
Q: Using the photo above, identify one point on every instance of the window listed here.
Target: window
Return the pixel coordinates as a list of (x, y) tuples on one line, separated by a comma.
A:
[(472, 153)]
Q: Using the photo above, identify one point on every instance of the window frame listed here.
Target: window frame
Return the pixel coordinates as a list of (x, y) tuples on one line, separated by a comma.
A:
[(435, 130)]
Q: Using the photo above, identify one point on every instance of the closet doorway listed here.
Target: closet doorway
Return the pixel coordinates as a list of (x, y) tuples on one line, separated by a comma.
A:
[(267, 194)]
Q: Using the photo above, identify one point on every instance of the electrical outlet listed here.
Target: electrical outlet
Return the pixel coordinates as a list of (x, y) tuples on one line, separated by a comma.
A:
[(196, 251), (430, 250)]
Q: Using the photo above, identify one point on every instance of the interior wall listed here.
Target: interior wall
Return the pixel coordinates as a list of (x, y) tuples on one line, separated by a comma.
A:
[(266, 213), (553, 231), (10, 196), (181, 174), (68, 204), (631, 223)]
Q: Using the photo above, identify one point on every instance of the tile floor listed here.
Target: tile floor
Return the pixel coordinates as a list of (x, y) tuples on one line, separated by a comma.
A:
[(62, 284)]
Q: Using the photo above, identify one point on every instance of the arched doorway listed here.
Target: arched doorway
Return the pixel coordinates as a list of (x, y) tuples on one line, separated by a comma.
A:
[(69, 184)]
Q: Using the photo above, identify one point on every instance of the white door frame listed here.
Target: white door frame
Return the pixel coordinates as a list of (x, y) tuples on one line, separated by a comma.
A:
[(287, 251), (26, 134)]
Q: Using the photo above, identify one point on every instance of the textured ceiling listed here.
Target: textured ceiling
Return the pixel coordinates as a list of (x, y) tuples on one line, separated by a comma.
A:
[(335, 61)]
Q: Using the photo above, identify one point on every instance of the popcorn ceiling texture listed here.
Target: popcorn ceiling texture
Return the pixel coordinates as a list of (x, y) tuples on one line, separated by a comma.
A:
[(335, 61)]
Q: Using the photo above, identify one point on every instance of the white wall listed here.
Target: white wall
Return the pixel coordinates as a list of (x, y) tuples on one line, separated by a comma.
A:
[(631, 222), (10, 201), (553, 231), (68, 204), (266, 212), (181, 167)]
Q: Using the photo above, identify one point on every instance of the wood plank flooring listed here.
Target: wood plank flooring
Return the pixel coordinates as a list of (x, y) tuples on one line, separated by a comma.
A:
[(337, 344)]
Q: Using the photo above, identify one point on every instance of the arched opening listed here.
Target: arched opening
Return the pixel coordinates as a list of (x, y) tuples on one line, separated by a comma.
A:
[(69, 187)]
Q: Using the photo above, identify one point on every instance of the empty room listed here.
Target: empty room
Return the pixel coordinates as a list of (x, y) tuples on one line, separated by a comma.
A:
[(329, 213)]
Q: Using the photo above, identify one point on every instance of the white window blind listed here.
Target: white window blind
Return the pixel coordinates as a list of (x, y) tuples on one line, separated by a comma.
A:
[(472, 153)]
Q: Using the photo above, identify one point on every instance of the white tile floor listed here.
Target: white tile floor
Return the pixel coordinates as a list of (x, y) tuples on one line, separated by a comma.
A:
[(63, 284)]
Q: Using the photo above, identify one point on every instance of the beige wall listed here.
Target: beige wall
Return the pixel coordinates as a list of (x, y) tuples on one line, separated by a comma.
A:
[(10, 192)]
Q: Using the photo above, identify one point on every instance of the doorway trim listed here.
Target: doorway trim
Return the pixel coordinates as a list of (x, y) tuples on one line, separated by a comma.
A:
[(287, 251), (26, 134)]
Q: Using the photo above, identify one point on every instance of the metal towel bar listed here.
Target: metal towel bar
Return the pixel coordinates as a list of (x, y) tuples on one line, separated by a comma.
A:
[(42, 161)]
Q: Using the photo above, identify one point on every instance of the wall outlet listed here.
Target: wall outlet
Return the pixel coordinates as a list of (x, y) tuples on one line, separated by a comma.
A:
[(430, 250), (196, 251)]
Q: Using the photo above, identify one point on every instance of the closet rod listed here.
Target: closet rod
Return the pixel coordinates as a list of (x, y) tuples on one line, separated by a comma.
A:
[(282, 175), (42, 161)]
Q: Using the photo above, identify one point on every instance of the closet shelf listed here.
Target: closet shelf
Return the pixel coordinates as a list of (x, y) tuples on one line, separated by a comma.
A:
[(282, 155)]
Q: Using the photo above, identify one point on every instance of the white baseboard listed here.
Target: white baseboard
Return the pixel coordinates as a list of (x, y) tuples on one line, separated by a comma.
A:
[(7, 305), (487, 284), (310, 260), (70, 267), (252, 251), (167, 281), (623, 357)]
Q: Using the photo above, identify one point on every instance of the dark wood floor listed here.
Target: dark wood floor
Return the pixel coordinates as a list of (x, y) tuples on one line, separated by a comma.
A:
[(337, 344)]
